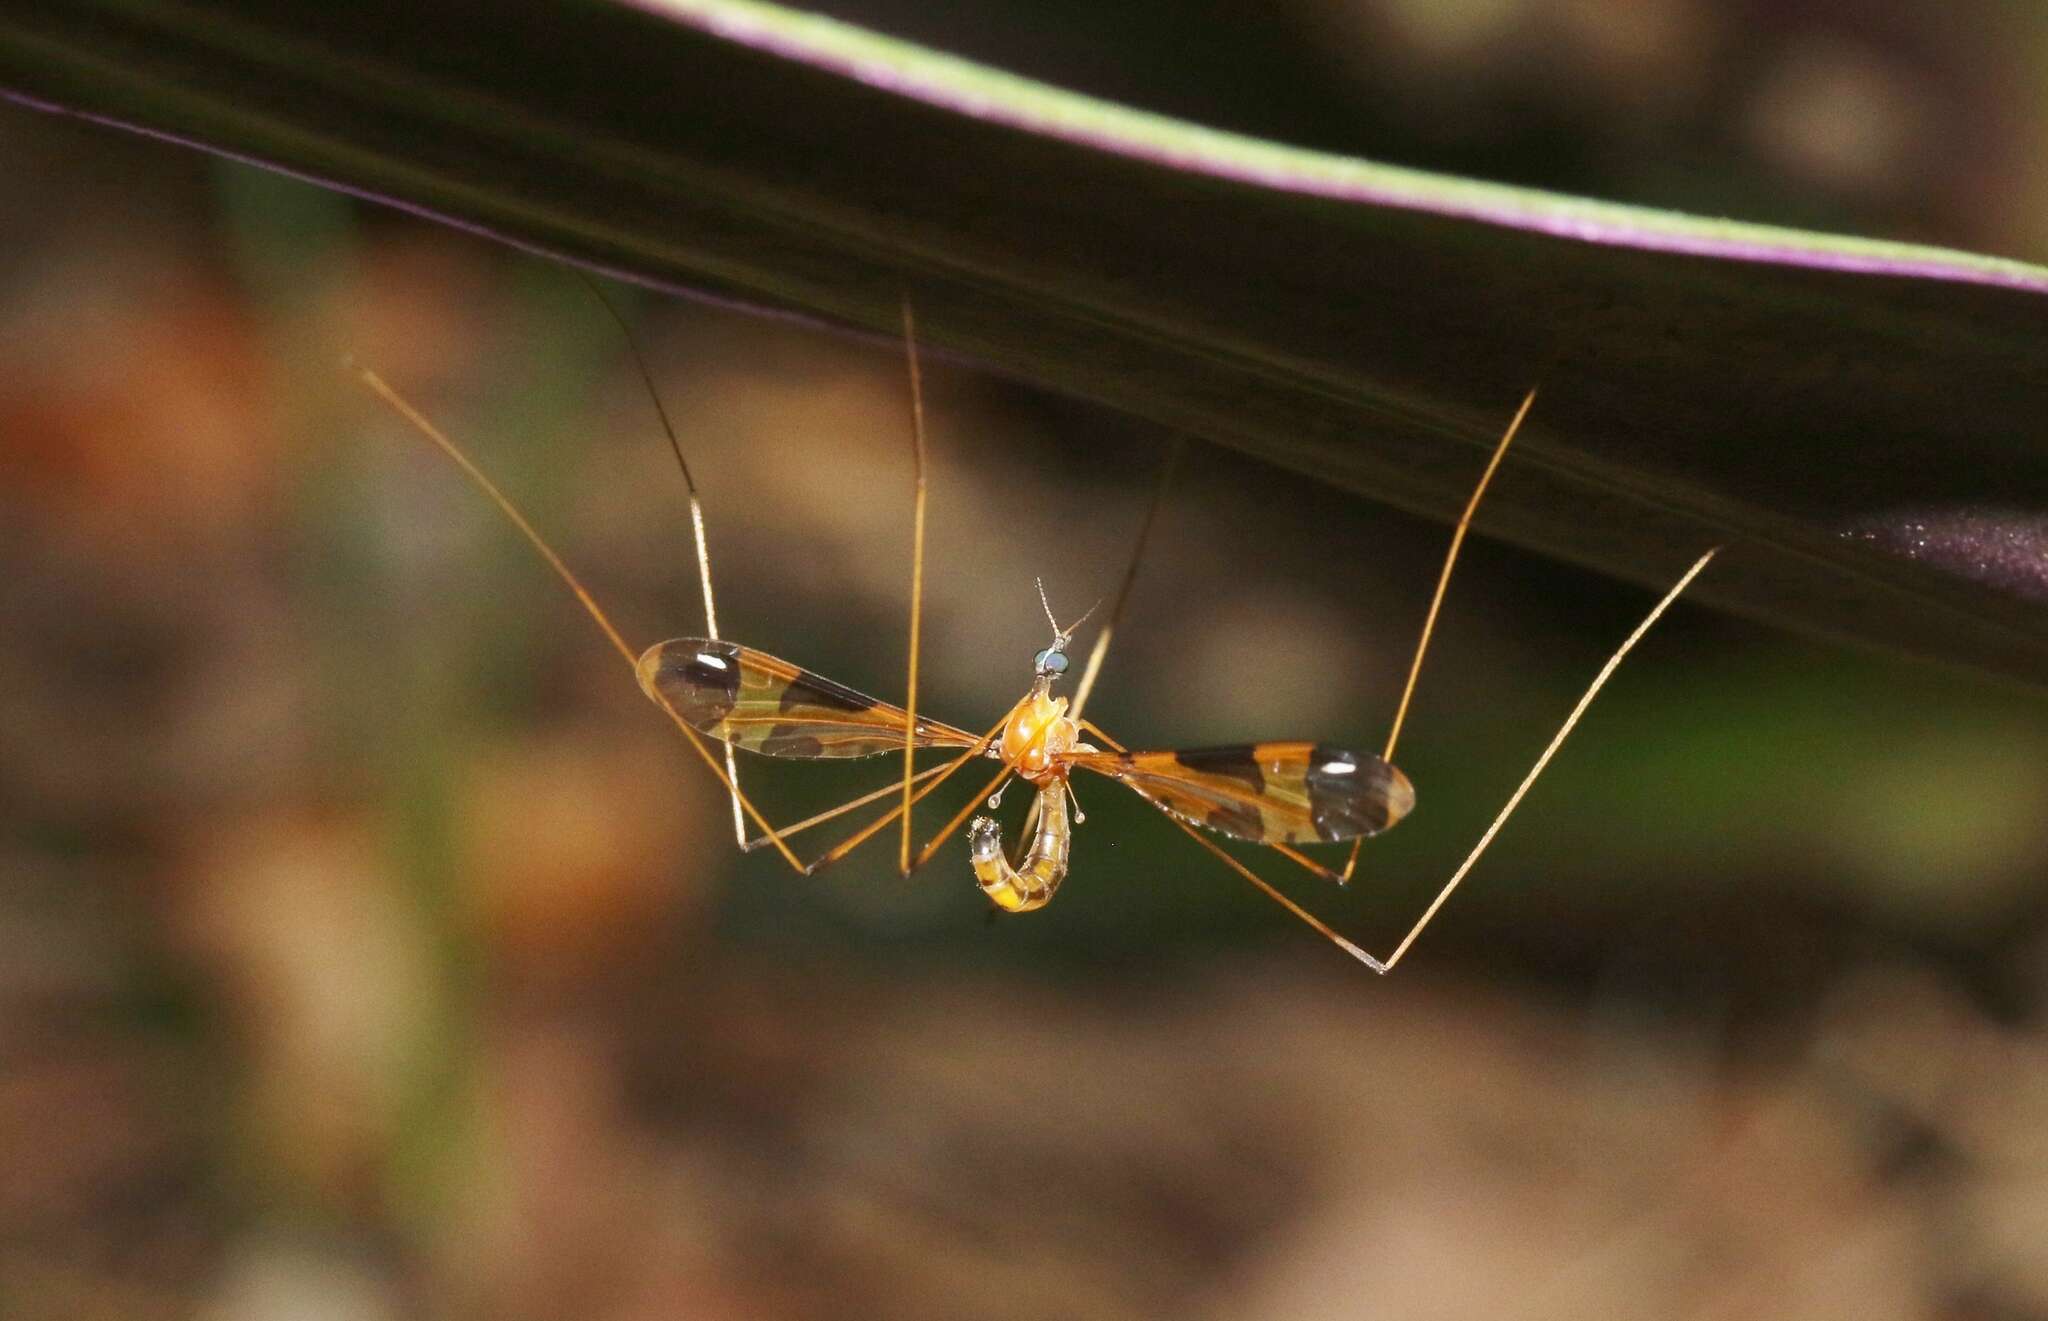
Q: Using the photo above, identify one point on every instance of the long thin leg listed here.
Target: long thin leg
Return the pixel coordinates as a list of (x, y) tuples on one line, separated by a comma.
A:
[(1436, 601), (940, 775), (918, 447), (1083, 689), (376, 385), (960, 818), (732, 769), (1556, 742), (1090, 727), (854, 841), (848, 844), (832, 813), (916, 573), (1274, 894), (1304, 861), (1514, 800), (1100, 650)]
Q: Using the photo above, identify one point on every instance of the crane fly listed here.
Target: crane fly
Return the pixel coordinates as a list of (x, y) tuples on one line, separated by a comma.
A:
[(1281, 795), (1262, 793)]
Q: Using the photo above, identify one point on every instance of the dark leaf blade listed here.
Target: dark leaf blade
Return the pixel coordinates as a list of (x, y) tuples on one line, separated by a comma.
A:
[(1858, 420)]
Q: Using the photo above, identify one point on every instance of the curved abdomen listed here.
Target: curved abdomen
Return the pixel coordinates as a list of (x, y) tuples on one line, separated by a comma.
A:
[(1021, 889)]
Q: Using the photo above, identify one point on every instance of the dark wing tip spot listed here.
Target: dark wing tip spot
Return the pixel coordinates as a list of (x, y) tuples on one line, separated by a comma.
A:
[(1352, 794), (698, 678)]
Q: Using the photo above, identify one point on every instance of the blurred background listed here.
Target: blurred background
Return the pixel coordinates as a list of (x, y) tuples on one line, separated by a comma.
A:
[(370, 949)]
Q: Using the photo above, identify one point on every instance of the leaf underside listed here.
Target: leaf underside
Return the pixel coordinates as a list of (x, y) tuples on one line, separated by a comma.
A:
[(1861, 423)]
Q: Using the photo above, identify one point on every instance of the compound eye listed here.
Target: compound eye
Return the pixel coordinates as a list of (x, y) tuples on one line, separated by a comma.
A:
[(1050, 661)]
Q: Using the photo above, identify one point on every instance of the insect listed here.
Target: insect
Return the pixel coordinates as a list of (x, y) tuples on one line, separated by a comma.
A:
[(1282, 795)]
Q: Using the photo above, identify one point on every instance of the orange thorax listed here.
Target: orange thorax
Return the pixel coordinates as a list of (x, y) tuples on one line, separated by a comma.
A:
[(1038, 735)]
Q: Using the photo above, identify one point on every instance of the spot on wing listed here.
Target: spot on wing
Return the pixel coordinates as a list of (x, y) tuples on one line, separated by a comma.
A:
[(819, 693), (1352, 794), (790, 741), (701, 680), (1237, 820), (1236, 761)]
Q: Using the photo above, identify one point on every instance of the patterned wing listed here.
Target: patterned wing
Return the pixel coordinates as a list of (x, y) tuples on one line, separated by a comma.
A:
[(1267, 793), (764, 704)]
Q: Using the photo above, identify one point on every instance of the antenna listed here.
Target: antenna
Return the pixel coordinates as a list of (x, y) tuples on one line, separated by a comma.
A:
[(1064, 635), (1048, 608)]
